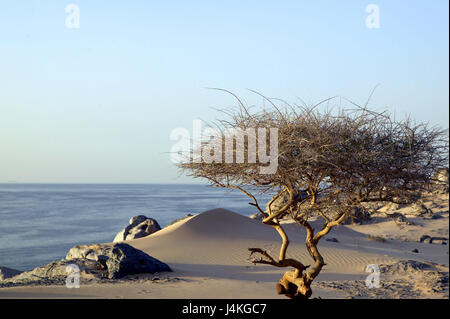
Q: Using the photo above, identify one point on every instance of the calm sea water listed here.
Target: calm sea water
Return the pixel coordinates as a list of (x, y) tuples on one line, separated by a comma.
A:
[(41, 222)]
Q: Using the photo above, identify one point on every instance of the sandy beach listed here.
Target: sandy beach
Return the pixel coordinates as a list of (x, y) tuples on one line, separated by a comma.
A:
[(209, 256)]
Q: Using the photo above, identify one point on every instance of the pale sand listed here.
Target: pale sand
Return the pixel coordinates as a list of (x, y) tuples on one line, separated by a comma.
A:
[(209, 257)]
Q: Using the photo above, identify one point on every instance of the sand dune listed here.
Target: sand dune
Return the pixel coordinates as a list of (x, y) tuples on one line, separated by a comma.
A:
[(222, 237)]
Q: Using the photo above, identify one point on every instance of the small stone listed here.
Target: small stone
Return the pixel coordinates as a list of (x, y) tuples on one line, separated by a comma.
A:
[(415, 250), (333, 240)]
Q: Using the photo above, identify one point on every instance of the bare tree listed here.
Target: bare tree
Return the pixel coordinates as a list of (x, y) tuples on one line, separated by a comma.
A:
[(329, 162)]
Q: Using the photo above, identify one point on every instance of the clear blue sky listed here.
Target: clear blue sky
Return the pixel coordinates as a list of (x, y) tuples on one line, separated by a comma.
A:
[(97, 104)]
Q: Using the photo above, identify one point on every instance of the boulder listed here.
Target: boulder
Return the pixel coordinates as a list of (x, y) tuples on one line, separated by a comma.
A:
[(94, 262), (126, 260), (139, 226), (6, 272), (118, 259)]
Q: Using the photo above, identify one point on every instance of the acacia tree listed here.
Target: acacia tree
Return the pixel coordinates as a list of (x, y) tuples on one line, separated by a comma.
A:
[(329, 162)]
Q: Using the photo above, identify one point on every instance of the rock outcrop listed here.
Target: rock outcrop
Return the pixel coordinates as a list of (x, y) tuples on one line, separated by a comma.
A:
[(94, 262), (119, 259), (139, 226)]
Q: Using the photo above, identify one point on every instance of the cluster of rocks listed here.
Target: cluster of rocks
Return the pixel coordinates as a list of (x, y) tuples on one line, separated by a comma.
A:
[(406, 279), (98, 261), (139, 226), (427, 276)]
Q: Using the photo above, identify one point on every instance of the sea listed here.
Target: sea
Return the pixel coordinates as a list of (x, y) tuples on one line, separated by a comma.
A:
[(39, 223)]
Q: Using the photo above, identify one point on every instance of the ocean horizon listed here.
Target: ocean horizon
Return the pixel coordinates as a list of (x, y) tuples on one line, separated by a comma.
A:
[(40, 222)]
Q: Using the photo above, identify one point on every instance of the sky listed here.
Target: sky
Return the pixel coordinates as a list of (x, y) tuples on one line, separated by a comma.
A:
[(97, 103)]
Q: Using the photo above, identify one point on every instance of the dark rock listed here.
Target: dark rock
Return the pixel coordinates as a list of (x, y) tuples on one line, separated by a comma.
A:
[(334, 240), (415, 250), (126, 260)]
